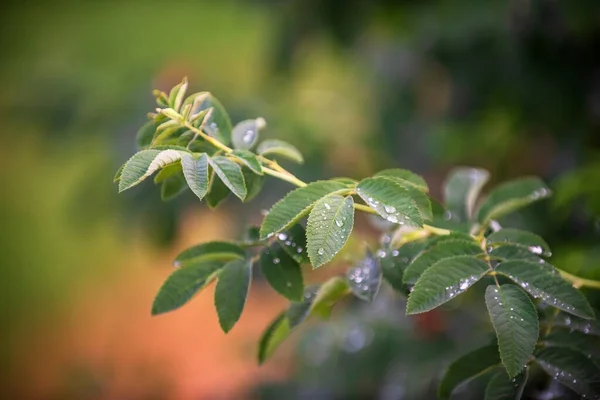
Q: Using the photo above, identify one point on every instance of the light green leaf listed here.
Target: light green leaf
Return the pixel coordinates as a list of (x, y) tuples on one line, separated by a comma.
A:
[(510, 197), (167, 172), (172, 186), (145, 134), (249, 159), (295, 205), (274, 147), (328, 295), (468, 367), (177, 93), (526, 240), (210, 251), (231, 292), (218, 124), (501, 387), (276, 333), (515, 321), (282, 272), (245, 133), (443, 281), (461, 190), (572, 369), (183, 284), (365, 277), (406, 176), (117, 176), (145, 163), (195, 171), (441, 251), (329, 226), (391, 200), (230, 174), (542, 283), (217, 192), (293, 241), (395, 261)]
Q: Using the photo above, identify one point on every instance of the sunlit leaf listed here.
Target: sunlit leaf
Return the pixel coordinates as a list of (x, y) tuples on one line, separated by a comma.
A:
[(195, 171), (231, 292), (461, 190), (329, 226), (230, 174), (282, 272), (444, 281), (542, 283), (274, 147), (183, 284), (296, 205), (144, 164), (515, 321), (510, 197)]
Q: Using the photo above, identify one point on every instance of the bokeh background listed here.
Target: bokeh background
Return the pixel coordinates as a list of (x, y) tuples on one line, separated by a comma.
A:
[(512, 86)]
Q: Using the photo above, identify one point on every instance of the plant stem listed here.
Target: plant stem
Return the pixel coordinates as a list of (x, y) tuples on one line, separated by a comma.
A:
[(579, 282)]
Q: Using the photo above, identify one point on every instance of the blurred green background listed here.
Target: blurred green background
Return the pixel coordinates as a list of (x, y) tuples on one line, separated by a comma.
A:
[(512, 86)]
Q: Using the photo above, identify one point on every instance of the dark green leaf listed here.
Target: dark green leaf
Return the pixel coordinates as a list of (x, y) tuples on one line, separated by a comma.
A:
[(218, 124), (231, 292), (249, 159), (183, 284), (510, 197), (168, 172), (501, 387), (395, 261), (230, 174), (276, 333), (391, 200), (299, 311), (210, 251), (572, 369), (293, 241), (217, 191), (145, 134), (577, 324), (526, 240), (329, 226), (195, 171), (542, 283), (515, 321), (441, 251), (282, 272), (365, 277), (406, 176), (172, 187), (511, 252), (443, 281), (467, 367), (585, 343), (276, 147), (245, 133), (295, 205), (254, 183), (461, 190)]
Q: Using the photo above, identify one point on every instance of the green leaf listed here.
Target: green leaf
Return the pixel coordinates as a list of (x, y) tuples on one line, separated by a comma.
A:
[(391, 200), (249, 159), (195, 171), (172, 186), (328, 295), (231, 292), (210, 251), (501, 387), (299, 311), (145, 163), (511, 252), (295, 205), (395, 261), (217, 191), (145, 134), (510, 197), (441, 251), (526, 240), (406, 176), (585, 343), (467, 367), (176, 95), (461, 190), (254, 183), (577, 324), (230, 174), (276, 147), (572, 369), (117, 176), (245, 133), (218, 124), (282, 272), (329, 226), (293, 241), (167, 172), (542, 283), (365, 277), (418, 195), (276, 333), (443, 281), (515, 321), (183, 284)]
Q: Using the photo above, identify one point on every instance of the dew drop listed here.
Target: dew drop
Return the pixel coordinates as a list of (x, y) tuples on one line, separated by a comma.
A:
[(276, 260), (389, 209), (321, 251), (248, 136), (282, 236), (327, 206), (339, 222)]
